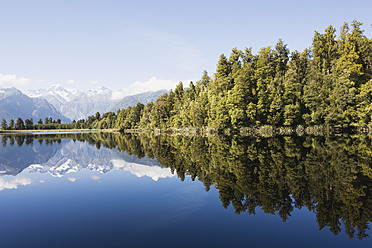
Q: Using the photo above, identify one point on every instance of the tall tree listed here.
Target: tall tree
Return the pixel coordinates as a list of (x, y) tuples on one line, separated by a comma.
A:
[(293, 88), (11, 123), (324, 50), (20, 125), (28, 124), (4, 124)]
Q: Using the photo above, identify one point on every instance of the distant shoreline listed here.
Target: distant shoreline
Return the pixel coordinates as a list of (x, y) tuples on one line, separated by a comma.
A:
[(56, 131)]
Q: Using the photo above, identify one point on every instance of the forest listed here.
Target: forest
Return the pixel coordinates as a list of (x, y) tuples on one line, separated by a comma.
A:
[(328, 84)]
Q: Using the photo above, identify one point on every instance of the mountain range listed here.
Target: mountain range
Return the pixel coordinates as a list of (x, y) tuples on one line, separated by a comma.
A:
[(67, 104), (14, 104)]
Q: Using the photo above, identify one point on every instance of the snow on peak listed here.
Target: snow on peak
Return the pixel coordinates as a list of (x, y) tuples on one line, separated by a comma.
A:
[(55, 91), (154, 172), (66, 166), (99, 91)]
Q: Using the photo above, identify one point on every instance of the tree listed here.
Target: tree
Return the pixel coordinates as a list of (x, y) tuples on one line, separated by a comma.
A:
[(40, 122), (325, 49), (293, 88), (97, 116), (145, 117), (20, 125), (4, 124), (223, 67), (160, 112), (28, 124), (364, 106), (11, 123), (355, 54)]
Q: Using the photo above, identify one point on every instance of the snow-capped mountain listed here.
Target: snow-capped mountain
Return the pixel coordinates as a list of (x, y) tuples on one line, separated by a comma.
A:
[(73, 103), (14, 104), (57, 91), (76, 104)]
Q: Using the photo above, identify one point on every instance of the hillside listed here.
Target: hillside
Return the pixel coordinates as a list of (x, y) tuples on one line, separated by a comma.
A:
[(14, 104)]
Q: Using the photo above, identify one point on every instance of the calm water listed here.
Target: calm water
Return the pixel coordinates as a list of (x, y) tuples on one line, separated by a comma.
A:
[(112, 190)]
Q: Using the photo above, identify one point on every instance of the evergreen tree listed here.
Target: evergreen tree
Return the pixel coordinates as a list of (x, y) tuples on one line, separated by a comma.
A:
[(28, 124), (11, 123), (364, 106), (4, 124), (160, 112), (324, 50), (293, 88), (19, 124)]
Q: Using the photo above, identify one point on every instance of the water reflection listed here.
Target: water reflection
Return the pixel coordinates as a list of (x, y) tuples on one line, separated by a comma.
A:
[(330, 176), (14, 183), (61, 155)]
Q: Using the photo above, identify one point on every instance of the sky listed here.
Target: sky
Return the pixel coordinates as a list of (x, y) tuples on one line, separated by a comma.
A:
[(119, 44)]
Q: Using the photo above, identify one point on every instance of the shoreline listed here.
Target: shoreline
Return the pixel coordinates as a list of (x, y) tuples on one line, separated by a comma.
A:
[(57, 131), (262, 130)]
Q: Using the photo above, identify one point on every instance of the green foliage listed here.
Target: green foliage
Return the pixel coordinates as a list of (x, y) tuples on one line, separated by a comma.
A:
[(28, 123), (20, 125), (4, 124), (11, 123)]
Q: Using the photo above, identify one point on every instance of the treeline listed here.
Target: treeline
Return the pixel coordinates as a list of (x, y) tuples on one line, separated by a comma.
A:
[(329, 84), (96, 121), (28, 124)]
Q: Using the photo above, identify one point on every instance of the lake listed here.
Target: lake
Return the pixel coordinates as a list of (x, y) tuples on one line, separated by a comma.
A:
[(126, 190)]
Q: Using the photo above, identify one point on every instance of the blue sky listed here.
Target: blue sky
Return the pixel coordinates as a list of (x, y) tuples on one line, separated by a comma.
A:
[(87, 44)]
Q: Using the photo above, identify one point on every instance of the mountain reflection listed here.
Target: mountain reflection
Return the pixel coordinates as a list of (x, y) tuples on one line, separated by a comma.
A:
[(59, 155), (330, 176)]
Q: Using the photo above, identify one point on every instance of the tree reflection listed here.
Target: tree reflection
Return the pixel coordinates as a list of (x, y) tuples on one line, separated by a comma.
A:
[(331, 175)]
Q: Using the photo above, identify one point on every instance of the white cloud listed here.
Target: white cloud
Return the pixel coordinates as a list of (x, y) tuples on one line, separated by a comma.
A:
[(42, 181), (72, 179), (153, 84), (94, 82), (95, 177), (71, 81), (9, 80), (13, 184)]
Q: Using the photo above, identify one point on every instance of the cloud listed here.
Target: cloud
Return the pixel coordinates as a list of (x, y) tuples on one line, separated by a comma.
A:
[(153, 84), (72, 179), (9, 80), (95, 177), (42, 181), (94, 82), (71, 81), (13, 184)]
